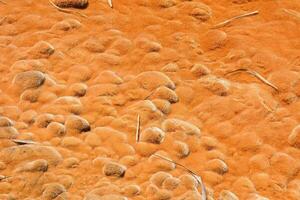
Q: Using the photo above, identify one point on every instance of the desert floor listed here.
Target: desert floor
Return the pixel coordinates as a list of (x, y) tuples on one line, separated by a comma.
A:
[(120, 103)]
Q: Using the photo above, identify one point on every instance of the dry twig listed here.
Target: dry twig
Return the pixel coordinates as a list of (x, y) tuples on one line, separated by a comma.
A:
[(110, 3), (2, 20), (2, 177), (138, 129), (255, 74), (66, 10), (194, 174), (23, 142), (4, 2), (292, 12), (228, 21)]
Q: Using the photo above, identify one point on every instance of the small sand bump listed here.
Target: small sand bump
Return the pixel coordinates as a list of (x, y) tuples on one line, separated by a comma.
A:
[(166, 94), (57, 129), (129, 160), (39, 165), (70, 142), (284, 164), (191, 195), (148, 45), (256, 197), (294, 137), (28, 116), (243, 184), (153, 135), (30, 95), (77, 89), (122, 45), (131, 190), (107, 197), (41, 49), (66, 180), (170, 67), (217, 166), (79, 74), (71, 162), (41, 65), (163, 105), (216, 85), (171, 183), (160, 164), (181, 149), (94, 45), (173, 125), (5, 122), (159, 177), (72, 3), (214, 39), (162, 194), (108, 77), (8, 132), (167, 3), (188, 181), (259, 162), (103, 90), (227, 195), (52, 191), (77, 124), (29, 79), (43, 120), (16, 154), (114, 169), (146, 149), (200, 70), (5, 187), (153, 79)]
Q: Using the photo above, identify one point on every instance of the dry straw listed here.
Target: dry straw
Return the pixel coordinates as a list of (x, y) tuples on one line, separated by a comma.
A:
[(255, 74), (292, 12), (23, 142), (110, 3), (138, 129), (66, 10), (228, 21), (194, 174)]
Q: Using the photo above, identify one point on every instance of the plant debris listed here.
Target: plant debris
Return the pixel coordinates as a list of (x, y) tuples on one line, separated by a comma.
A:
[(23, 142), (255, 74), (292, 12), (138, 128), (194, 174), (228, 21), (110, 3)]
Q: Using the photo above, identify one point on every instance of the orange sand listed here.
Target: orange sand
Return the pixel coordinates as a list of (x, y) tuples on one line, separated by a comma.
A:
[(74, 86)]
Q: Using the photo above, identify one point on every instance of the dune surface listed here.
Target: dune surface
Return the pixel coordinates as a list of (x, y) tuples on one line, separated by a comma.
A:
[(150, 99)]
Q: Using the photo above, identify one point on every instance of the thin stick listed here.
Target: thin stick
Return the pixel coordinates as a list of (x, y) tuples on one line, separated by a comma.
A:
[(194, 174), (292, 12), (4, 2), (255, 74), (110, 3), (66, 10), (22, 142), (138, 129), (228, 21), (2, 20), (2, 177)]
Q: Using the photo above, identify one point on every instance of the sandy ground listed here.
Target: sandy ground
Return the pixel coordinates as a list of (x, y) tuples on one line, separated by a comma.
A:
[(222, 101)]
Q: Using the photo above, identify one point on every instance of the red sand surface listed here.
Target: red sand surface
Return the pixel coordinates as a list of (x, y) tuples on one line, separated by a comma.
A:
[(222, 101)]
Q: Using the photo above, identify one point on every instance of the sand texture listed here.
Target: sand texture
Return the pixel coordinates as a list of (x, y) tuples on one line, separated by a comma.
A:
[(150, 99)]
